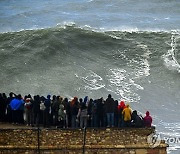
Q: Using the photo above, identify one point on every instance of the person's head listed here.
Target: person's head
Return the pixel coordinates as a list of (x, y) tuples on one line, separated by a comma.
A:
[(42, 98), (57, 97), (29, 96), (11, 94), (60, 99), (38, 97), (75, 98), (85, 99), (109, 96), (80, 100), (90, 101), (4, 95), (66, 100), (54, 97), (122, 103), (19, 96), (48, 96), (27, 99), (135, 112), (147, 113)]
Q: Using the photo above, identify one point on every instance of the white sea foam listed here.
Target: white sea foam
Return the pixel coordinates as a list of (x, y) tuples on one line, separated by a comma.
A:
[(125, 87), (146, 56), (125, 82), (170, 57), (92, 80)]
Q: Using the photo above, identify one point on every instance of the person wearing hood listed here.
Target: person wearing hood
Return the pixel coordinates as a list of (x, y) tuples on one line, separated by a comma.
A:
[(121, 107), (86, 100), (127, 116), (17, 105), (147, 119), (9, 109)]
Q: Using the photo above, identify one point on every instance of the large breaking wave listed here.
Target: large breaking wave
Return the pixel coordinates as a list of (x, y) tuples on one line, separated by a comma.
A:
[(74, 60), (137, 66)]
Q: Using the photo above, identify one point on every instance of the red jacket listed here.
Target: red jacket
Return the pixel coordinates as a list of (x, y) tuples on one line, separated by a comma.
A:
[(121, 105)]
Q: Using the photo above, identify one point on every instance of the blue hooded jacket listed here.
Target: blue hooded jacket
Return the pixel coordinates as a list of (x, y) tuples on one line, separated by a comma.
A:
[(16, 104)]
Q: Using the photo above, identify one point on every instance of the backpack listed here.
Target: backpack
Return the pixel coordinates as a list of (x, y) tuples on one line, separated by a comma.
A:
[(42, 106), (61, 112), (84, 113), (28, 105)]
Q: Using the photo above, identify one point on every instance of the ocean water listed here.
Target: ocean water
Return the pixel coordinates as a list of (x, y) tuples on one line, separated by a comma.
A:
[(128, 48)]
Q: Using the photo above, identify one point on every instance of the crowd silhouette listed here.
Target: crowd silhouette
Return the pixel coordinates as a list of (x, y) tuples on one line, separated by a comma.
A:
[(56, 111)]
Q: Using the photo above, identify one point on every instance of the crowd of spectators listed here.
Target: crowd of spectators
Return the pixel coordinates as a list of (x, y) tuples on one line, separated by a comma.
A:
[(64, 113)]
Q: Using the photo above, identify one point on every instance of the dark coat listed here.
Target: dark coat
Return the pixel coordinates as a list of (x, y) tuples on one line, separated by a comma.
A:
[(109, 105)]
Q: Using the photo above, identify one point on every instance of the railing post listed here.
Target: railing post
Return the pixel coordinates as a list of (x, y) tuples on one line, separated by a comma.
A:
[(38, 134), (84, 139)]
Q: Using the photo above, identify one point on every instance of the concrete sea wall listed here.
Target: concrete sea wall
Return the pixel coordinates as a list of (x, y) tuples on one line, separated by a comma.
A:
[(75, 141)]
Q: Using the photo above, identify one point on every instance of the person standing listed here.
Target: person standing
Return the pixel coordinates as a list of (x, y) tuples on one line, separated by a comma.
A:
[(100, 112), (127, 116), (83, 115), (36, 110), (74, 111), (121, 107), (147, 119), (28, 111), (47, 104), (17, 106), (67, 111), (110, 109), (61, 114), (9, 109), (3, 106)]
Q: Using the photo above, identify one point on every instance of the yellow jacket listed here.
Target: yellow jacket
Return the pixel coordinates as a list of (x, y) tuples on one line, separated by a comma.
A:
[(127, 114)]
